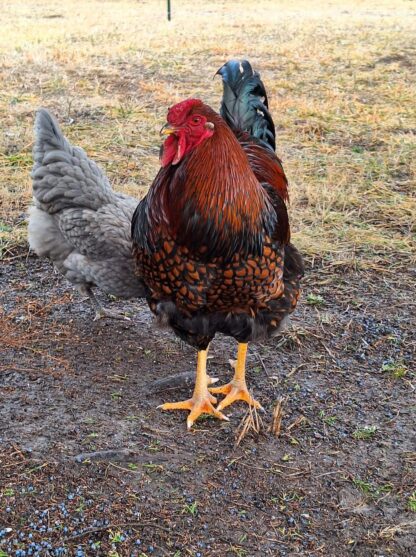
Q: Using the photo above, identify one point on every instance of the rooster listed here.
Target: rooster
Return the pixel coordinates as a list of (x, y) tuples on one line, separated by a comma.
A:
[(212, 238), (78, 221)]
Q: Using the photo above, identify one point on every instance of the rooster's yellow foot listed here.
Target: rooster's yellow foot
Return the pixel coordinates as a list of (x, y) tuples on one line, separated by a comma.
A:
[(197, 405), (202, 401), (235, 390)]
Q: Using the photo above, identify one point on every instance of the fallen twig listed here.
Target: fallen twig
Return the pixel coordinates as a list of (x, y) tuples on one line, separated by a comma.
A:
[(277, 417)]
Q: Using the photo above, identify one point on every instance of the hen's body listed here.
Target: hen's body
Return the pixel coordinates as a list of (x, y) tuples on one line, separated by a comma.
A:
[(77, 220), (212, 235)]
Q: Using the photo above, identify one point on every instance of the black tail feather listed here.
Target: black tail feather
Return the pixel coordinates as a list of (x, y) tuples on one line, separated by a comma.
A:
[(244, 104)]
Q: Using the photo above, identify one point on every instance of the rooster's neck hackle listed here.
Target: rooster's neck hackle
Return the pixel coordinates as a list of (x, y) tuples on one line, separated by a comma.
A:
[(212, 199)]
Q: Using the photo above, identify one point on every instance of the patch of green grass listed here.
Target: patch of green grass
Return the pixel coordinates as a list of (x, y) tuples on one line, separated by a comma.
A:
[(132, 418), (89, 420), (125, 111), (115, 537), (5, 227), (206, 417), (411, 502), (365, 487), (12, 239), (329, 420), (291, 496), (365, 432), (395, 369), (8, 492), (81, 505), (192, 509), (20, 160), (154, 446), (153, 467), (315, 300), (371, 489)]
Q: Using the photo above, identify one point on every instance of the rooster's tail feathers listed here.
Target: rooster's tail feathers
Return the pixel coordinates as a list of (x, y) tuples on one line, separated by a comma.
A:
[(244, 104)]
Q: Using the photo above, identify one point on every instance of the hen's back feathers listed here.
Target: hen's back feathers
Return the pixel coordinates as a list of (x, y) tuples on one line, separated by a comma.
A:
[(77, 220), (244, 103)]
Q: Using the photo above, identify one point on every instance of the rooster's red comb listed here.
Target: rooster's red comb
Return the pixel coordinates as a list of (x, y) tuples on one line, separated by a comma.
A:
[(177, 114)]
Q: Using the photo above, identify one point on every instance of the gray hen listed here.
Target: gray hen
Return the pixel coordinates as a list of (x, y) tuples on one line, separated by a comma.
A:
[(78, 221)]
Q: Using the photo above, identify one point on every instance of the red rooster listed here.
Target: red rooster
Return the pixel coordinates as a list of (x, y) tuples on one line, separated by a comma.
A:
[(212, 235)]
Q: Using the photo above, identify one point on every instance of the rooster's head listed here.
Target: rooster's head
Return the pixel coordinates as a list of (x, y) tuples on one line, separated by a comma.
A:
[(186, 128)]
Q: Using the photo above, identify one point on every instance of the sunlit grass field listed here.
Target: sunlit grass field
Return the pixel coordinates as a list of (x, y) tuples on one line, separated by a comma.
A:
[(341, 82)]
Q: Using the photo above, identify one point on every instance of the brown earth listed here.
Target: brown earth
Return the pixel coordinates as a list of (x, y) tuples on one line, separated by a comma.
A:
[(70, 386)]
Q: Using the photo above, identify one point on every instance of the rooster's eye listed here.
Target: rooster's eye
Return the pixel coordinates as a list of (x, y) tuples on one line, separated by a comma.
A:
[(196, 120)]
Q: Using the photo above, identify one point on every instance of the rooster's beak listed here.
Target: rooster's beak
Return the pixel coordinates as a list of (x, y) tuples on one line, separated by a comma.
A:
[(167, 130)]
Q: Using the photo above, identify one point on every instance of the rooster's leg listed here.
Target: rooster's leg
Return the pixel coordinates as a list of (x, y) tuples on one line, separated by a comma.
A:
[(202, 401), (237, 388), (100, 310)]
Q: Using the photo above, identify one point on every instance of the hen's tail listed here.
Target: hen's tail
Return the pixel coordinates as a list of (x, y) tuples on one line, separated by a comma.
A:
[(48, 137), (244, 103), (63, 176)]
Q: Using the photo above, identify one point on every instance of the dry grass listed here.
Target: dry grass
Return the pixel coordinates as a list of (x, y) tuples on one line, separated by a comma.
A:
[(23, 329), (276, 425), (341, 83), (251, 423)]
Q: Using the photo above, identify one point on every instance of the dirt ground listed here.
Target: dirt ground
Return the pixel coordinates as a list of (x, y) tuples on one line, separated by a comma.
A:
[(90, 466)]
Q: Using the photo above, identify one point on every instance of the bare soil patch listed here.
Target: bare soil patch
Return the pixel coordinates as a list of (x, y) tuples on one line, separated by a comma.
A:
[(90, 466)]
